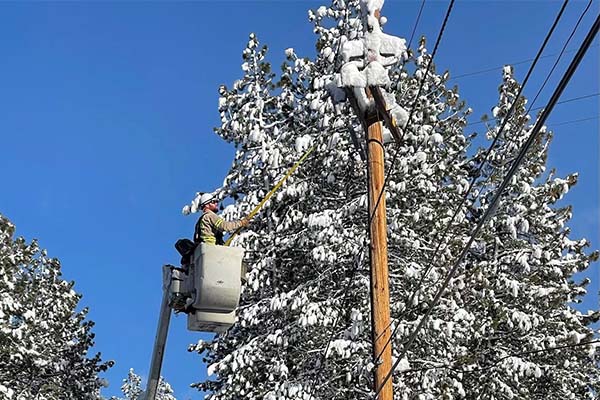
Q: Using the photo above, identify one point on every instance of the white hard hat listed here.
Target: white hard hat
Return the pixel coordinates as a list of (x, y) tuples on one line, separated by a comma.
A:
[(206, 198)]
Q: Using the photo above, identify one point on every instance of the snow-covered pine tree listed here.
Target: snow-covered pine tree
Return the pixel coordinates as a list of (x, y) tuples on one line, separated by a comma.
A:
[(520, 280), (132, 388), (306, 249), (44, 340)]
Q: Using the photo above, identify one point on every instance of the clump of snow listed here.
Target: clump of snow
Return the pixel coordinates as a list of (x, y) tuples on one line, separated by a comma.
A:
[(322, 11), (403, 365), (420, 157), (322, 220), (376, 74), (353, 51), (303, 143), (352, 77), (436, 139), (8, 392)]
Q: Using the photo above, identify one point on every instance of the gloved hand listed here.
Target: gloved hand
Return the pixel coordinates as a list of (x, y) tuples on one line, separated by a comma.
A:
[(245, 221)]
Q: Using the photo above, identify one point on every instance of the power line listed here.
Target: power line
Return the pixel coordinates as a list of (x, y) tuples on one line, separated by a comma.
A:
[(570, 100), (560, 55), (504, 124), (480, 168), (515, 63), (412, 35), (539, 108), (519, 159), (576, 121)]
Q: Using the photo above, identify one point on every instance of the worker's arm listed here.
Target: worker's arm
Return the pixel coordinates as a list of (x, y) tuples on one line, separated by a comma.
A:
[(219, 224), (227, 226)]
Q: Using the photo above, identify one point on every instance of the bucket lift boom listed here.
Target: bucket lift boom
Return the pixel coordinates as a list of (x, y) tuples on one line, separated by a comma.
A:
[(160, 340)]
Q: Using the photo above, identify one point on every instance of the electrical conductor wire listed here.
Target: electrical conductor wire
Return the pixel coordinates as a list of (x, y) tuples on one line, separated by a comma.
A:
[(481, 165), (509, 140), (512, 171)]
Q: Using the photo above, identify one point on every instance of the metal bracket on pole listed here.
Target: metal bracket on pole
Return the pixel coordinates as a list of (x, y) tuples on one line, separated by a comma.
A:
[(160, 340)]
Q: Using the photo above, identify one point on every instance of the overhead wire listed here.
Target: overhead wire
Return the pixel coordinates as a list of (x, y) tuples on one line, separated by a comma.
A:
[(587, 96), (527, 112), (509, 114), (412, 35), (576, 121), (483, 71), (539, 108), (494, 202), (440, 239), (559, 56), (509, 140)]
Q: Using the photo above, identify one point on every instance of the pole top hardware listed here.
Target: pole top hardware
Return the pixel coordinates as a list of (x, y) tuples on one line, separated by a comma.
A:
[(365, 64)]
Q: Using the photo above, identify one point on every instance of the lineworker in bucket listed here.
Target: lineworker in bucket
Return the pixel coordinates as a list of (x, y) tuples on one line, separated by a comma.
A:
[(210, 227)]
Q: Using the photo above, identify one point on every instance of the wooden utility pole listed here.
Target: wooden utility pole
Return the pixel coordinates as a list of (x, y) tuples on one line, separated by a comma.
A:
[(378, 51), (380, 293)]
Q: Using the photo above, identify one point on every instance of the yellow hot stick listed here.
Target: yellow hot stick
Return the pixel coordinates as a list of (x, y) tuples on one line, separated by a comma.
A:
[(275, 188)]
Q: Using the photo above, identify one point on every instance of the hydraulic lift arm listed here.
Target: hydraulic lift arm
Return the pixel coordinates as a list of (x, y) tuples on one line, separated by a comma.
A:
[(161, 337)]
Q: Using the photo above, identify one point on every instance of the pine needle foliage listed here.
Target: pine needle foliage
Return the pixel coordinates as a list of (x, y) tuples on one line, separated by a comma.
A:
[(132, 388), (44, 340)]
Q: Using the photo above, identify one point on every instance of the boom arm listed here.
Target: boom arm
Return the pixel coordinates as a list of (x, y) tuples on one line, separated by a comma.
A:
[(161, 337)]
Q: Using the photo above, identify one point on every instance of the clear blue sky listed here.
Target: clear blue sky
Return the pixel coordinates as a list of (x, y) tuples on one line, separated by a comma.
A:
[(106, 117)]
